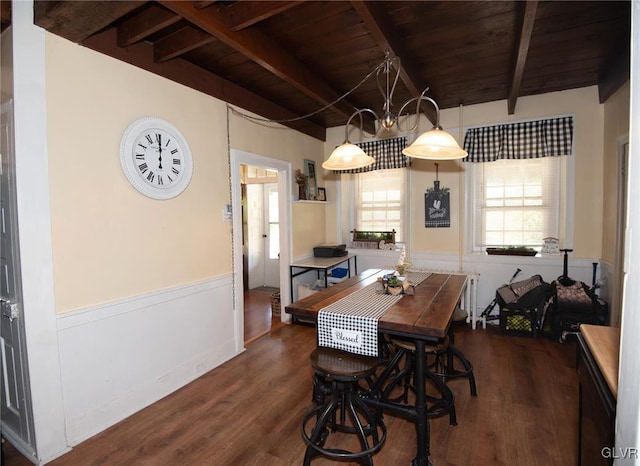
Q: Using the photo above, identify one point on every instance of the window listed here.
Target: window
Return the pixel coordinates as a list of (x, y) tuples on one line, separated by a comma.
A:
[(518, 173), (379, 201), (516, 202)]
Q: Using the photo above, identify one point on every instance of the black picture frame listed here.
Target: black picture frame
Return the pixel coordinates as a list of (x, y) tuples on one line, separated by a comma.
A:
[(437, 213), (322, 194)]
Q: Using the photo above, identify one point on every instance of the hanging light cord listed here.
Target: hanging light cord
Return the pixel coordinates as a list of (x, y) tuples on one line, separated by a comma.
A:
[(304, 117)]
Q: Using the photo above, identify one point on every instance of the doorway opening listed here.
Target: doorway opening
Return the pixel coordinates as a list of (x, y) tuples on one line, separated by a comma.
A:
[(262, 244), (260, 250)]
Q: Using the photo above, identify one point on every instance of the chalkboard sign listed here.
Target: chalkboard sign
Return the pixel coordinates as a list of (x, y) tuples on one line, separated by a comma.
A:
[(436, 207)]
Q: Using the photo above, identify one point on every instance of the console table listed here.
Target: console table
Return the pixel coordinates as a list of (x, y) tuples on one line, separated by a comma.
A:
[(321, 264)]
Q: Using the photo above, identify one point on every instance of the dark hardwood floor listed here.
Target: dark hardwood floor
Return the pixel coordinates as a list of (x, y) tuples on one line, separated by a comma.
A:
[(248, 411), (258, 318)]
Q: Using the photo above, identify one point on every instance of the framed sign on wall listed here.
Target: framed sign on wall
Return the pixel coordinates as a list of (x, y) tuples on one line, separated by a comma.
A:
[(437, 213), (312, 181)]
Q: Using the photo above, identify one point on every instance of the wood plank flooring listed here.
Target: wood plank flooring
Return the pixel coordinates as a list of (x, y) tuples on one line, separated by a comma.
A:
[(248, 411), (258, 318)]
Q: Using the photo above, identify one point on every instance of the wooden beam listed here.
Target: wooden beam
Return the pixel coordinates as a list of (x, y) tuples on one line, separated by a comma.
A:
[(199, 4), (138, 27), (180, 42), (377, 22), (618, 73), (521, 55), (75, 20), (194, 77), (261, 49), (241, 15)]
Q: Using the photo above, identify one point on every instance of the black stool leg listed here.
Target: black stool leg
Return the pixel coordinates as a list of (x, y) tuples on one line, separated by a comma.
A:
[(452, 352)]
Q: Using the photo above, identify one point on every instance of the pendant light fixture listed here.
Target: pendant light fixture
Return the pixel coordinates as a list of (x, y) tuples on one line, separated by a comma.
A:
[(435, 144)]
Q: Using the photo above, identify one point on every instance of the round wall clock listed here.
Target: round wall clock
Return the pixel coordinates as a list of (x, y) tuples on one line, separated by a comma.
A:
[(156, 158)]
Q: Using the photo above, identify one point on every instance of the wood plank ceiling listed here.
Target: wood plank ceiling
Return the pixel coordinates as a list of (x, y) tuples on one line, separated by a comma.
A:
[(286, 59)]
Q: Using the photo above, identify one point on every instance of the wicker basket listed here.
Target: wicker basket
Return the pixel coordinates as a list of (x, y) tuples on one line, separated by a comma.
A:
[(275, 303)]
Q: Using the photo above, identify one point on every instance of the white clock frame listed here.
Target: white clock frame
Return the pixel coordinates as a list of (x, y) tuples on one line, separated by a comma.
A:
[(138, 179)]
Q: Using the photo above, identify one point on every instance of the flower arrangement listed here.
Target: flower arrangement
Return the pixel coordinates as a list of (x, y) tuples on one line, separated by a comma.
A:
[(403, 268), (301, 178)]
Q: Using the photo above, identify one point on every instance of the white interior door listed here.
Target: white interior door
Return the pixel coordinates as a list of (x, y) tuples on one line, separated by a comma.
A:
[(271, 235), (17, 422), (255, 235)]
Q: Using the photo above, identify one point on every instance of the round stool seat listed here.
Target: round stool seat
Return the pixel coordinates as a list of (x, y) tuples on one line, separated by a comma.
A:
[(340, 408), (408, 345), (340, 365)]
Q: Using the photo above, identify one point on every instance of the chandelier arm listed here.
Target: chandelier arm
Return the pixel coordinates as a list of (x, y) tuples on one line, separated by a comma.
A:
[(359, 113), (418, 101)]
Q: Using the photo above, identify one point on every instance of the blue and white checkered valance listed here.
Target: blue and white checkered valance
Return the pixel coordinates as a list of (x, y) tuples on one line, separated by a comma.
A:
[(525, 140), (387, 152)]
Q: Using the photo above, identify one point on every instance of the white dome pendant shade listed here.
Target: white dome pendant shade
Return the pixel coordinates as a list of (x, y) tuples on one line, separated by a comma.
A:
[(435, 144), (347, 156)]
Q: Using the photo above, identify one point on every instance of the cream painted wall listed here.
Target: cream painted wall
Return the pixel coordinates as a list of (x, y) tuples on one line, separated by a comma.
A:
[(616, 126), (275, 141), (589, 123), (109, 241)]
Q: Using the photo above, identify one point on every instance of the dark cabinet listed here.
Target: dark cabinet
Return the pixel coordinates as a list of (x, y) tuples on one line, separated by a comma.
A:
[(597, 412)]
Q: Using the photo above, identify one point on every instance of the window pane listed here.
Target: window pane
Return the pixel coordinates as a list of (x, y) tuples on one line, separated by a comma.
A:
[(274, 240), (516, 202), (379, 201)]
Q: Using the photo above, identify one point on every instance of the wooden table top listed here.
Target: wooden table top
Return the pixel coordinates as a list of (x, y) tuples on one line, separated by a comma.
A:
[(604, 343), (426, 313)]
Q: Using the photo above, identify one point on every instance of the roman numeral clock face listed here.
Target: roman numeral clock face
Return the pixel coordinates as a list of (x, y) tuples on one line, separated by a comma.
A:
[(156, 158)]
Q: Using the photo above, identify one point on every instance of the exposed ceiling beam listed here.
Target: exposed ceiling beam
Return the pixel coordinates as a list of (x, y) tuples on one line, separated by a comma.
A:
[(618, 73), (378, 23), (187, 74), (523, 50), (138, 27), (240, 15), (385, 34), (182, 41), (203, 3), (264, 51), (76, 21)]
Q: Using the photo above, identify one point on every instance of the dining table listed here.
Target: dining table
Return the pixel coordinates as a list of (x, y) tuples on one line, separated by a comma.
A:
[(423, 315)]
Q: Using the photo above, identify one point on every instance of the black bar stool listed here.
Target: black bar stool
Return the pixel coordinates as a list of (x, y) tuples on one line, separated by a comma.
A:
[(437, 405), (445, 356), (339, 408)]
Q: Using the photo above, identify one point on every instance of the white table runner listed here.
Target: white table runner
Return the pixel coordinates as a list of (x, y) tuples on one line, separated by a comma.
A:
[(351, 324)]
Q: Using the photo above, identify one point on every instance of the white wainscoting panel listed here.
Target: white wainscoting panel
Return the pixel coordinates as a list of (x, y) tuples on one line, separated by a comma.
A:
[(120, 357)]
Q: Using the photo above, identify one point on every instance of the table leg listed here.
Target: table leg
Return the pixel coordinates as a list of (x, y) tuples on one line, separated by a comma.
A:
[(422, 422)]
